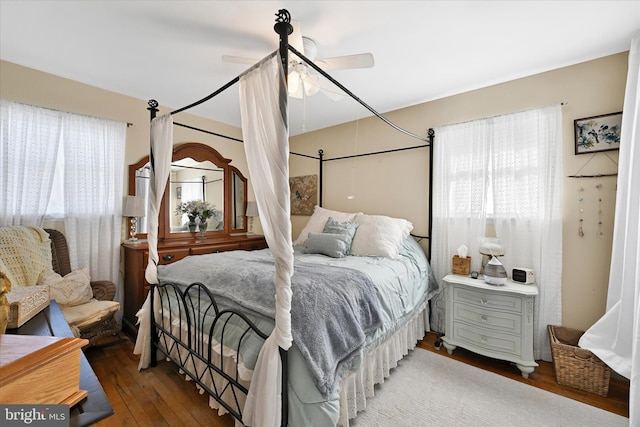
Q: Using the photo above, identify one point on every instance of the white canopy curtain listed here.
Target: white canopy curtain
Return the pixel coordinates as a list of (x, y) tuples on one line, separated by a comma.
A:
[(506, 170), (266, 140), (615, 338), (161, 151)]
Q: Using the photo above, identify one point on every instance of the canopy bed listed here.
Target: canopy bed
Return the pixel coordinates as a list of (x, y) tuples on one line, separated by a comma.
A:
[(299, 333)]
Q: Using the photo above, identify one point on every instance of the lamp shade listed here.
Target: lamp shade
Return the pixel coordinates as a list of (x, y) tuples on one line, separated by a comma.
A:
[(133, 206), (491, 246), (252, 209)]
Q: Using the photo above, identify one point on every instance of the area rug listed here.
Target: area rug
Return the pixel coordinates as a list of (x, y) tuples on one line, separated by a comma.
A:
[(427, 389)]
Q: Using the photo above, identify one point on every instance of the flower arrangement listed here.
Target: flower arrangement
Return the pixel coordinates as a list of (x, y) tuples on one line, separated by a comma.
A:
[(198, 209)]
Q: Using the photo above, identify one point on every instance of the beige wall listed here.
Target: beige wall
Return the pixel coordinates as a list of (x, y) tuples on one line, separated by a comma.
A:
[(396, 184)]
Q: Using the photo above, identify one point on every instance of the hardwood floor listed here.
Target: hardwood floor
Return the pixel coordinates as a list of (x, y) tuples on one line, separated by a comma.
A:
[(161, 397)]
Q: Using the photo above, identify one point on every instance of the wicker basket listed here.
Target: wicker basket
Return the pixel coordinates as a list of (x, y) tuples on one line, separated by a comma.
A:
[(577, 367)]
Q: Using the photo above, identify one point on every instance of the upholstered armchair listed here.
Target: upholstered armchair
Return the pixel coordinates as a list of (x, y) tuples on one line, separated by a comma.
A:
[(95, 319)]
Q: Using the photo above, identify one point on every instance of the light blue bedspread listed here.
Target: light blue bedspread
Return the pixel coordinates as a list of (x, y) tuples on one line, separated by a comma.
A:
[(399, 286), (333, 309)]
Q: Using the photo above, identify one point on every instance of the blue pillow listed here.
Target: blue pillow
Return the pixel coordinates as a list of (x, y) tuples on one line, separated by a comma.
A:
[(329, 244), (347, 228)]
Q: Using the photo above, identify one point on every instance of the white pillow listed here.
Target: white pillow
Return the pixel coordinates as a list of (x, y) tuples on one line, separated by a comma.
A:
[(72, 289), (318, 220), (380, 235)]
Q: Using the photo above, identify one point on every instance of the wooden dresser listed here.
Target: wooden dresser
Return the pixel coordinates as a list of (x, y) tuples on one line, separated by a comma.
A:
[(495, 321), (136, 258)]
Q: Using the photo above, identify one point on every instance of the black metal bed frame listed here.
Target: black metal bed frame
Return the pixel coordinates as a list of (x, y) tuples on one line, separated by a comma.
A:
[(186, 346), (194, 343)]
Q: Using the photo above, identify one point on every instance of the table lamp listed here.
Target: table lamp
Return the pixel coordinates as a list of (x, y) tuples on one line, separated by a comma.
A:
[(252, 211), (133, 207)]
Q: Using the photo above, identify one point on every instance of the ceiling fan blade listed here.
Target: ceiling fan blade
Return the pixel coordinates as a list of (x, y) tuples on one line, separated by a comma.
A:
[(295, 38), (332, 91), (239, 59), (361, 60)]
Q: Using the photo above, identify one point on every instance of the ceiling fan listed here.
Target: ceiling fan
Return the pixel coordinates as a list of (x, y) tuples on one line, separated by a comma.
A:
[(301, 81)]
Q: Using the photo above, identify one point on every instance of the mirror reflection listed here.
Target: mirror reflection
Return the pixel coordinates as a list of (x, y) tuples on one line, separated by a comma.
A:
[(198, 188), (196, 194), (238, 191)]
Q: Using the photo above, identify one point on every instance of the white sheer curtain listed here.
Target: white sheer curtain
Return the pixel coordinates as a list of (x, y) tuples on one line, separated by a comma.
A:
[(506, 170), (615, 338), (93, 151), (29, 140), (93, 188), (266, 140)]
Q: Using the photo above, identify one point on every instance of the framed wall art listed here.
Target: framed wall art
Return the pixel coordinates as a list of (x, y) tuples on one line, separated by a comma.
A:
[(304, 194), (597, 133)]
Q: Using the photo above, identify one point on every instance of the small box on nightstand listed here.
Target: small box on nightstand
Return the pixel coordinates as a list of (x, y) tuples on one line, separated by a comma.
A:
[(461, 265)]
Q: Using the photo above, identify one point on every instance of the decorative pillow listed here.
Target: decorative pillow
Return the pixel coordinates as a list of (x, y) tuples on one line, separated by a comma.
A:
[(329, 244), (380, 235), (318, 220), (347, 228), (72, 289)]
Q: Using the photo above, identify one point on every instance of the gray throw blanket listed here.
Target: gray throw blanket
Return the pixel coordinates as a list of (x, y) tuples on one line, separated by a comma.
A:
[(332, 308)]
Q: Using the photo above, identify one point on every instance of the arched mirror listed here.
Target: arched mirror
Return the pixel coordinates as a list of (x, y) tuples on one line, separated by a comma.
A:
[(198, 174)]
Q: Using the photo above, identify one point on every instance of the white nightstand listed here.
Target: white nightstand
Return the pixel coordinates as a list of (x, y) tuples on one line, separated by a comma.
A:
[(495, 321)]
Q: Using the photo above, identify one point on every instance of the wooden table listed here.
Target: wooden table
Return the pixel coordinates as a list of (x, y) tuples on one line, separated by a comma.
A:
[(96, 406)]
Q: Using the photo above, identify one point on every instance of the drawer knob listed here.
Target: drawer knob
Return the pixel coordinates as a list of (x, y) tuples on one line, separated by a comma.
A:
[(483, 301), (168, 257), (483, 340), (484, 319)]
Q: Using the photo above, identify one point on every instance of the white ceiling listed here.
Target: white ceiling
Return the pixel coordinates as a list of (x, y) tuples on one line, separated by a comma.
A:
[(424, 50)]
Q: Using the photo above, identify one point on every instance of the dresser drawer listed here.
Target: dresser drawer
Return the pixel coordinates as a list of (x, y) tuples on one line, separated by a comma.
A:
[(253, 246), (494, 342), (203, 250), (167, 256), (487, 299), (494, 320)]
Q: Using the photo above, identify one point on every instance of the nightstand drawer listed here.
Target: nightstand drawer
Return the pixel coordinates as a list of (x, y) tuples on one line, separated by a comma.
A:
[(487, 299), (491, 341), (490, 319), (495, 321)]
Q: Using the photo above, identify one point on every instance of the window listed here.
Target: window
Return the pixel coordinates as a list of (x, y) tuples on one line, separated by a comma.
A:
[(506, 170)]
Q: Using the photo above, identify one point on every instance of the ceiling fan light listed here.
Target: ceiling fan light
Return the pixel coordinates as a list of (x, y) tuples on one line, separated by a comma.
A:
[(311, 85), (293, 82)]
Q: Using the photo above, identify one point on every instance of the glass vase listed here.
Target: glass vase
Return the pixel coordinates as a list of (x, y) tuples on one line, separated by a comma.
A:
[(192, 224), (202, 229)]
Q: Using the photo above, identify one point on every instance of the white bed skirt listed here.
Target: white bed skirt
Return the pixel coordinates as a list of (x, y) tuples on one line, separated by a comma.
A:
[(358, 386)]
